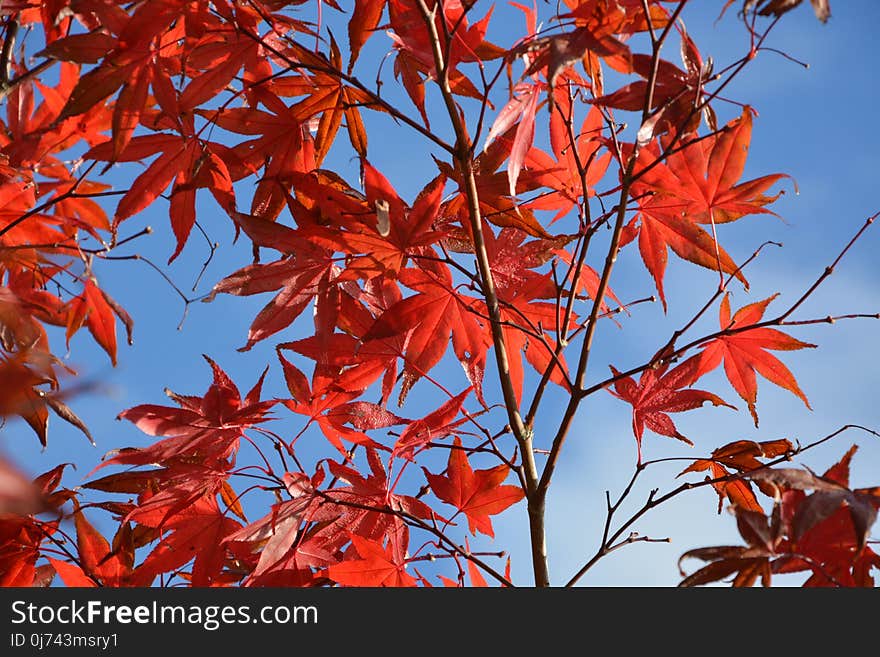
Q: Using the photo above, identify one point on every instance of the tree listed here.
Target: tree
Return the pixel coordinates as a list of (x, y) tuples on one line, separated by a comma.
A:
[(564, 151)]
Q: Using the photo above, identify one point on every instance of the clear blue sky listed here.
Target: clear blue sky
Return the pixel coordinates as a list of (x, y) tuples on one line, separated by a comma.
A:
[(815, 124)]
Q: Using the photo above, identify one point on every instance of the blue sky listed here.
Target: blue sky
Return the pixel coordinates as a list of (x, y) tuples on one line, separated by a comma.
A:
[(815, 124)]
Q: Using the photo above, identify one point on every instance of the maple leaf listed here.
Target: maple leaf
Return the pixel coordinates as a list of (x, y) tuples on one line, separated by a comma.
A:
[(96, 309), (377, 566), (739, 456), (284, 547), (674, 92), (207, 426), (594, 33), (345, 364), (493, 187), (185, 161), (20, 540), (832, 549), (173, 488), (704, 176), (562, 176), (341, 102), (658, 393), (127, 63), (22, 536), (363, 22), (384, 244), (350, 369), (662, 227), (522, 107), (763, 536), (328, 97), (428, 318), (478, 494), (23, 377), (196, 532), (203, 434), (363, 505), (415, 57), (824, 532), (330, 407), (745, 352), (35, 134), (520, 290), (831, 493), (307, 273), (696, 185), (277, 148)]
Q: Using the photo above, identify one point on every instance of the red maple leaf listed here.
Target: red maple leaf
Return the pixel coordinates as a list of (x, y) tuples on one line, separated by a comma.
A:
[(21, 538), (305, 274), (703, 176), (428, 318), (415, 58), (478, 494), (282, 151), (383, 234), (209, 426), (659, 393), (331, 407), (184, 160), (674, 93), (197, 533), (327, 97), (562, 175), (497, 206), (662, 226), (363, 506), (593, 36), (520, 290), (363, 22), (829, 527), (98, 311), (824, 532), (698, 184), (288, 549), (376, 565), (745, 352), (34, 135)]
